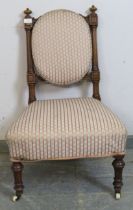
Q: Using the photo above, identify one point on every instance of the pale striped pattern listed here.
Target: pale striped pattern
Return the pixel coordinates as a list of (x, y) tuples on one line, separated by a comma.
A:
[(66, 129), (61, 47)]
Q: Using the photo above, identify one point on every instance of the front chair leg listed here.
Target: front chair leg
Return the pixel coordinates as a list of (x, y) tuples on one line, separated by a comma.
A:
[(17, 168), (118, 165)]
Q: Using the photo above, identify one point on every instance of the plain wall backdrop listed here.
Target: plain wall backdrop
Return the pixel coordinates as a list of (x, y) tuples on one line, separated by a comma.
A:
[(115, 46)]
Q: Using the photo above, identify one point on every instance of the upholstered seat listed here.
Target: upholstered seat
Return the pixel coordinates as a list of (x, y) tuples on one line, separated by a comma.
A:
[(66, 129)]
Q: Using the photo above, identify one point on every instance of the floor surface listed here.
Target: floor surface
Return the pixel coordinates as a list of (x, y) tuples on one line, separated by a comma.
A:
[(67, 185)]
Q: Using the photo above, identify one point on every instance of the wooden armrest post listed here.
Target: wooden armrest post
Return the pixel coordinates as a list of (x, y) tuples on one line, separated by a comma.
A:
[(95, 74), (31, 77)]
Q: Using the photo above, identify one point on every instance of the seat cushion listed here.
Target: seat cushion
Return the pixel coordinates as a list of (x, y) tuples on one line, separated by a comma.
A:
[(66, 129), (61, 47)]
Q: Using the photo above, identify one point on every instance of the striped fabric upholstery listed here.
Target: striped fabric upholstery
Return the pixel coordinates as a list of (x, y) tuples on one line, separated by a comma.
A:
[(66, 129), (61, 47)]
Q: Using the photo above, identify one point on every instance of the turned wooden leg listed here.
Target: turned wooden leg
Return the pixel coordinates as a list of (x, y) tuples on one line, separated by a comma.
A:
[(17, 169), (118, 165)]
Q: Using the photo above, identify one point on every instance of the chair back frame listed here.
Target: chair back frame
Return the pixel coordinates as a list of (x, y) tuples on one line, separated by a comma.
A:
[(32, 77)]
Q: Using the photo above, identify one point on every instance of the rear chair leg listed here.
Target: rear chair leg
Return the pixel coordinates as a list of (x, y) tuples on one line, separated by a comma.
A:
[(118, 165), (17, 168)]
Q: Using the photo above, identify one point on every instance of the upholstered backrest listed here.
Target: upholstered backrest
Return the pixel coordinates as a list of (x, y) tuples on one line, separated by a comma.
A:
[(61, 47)]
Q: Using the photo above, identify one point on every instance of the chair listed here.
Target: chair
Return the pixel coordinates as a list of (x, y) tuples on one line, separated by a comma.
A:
[(62, 50)]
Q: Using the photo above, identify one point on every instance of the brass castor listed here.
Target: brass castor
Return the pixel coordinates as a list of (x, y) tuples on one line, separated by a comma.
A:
[(117, 196), (15, 198)]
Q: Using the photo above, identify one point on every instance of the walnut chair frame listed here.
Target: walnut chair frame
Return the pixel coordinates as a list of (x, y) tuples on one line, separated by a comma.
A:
[(94, 77)]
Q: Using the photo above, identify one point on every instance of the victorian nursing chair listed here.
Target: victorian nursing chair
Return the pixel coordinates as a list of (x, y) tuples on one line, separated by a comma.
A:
[(62, 50)]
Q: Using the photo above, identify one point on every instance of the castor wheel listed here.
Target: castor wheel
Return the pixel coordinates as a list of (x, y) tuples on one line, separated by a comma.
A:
[(117, 196), (15, 198)]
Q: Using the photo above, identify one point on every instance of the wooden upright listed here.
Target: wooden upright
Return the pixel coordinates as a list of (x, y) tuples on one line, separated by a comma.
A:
[(31, 77), (95, 74)]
